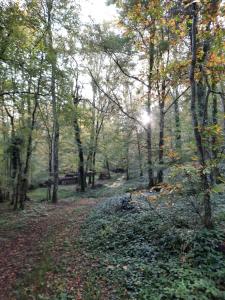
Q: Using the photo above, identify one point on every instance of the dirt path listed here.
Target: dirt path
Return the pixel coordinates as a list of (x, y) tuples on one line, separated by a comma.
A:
[(43, 259)]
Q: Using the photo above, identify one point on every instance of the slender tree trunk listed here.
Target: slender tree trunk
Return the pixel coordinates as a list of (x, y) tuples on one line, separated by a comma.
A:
[(161, 147), (161, 133), (97, 130), (5, 172), (55, 144), (91, 153), (55, 139), (139, 154), (90, 157), (149, 128), (82, 177), (18, 175), (13, 170), (214, 141), (88, 166), (93, 169), (13, 158), (49, 187), (24, 182), (223, 106), (197, 133), (177, 124), (107, 166), (127, 162)]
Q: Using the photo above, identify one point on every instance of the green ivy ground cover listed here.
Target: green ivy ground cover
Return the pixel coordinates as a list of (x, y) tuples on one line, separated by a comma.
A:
[(158, 251)]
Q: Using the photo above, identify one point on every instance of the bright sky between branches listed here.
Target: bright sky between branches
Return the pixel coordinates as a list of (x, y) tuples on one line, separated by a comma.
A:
[(94, 9), (97, 10)]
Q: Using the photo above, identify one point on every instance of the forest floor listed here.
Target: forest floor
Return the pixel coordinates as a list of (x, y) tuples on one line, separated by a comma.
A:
[(40, 257), (112, 243)]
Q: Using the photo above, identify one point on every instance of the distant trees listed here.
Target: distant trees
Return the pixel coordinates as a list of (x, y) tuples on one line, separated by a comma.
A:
[(164, 64)]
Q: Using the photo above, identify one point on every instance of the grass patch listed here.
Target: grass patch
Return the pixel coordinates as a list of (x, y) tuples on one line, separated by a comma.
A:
[(116, 186), (40, 194), (113, 187)]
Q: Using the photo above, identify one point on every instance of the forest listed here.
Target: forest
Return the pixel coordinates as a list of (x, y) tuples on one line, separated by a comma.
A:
[(112, 149)]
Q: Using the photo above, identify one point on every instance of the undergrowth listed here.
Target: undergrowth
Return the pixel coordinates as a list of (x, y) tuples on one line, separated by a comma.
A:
[(157, 250)]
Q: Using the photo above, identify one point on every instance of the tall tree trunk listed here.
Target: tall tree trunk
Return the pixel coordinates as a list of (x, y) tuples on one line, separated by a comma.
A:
[(4, 188), (127, 162), (214, 141), (55, 142), (161, 133), (82, 175), (91, 153), (222, 95), (93, 169), (149, 128), (24, 181), (97, 130), (17, 170), (82, 179), (13, 158), (197, 133), (49, 187), (55, 139)]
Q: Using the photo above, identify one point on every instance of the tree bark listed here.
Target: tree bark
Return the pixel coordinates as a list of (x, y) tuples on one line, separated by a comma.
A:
[(82, 179), (24, 181), (55, 139), (161, 132), (127, 160), (107, 166), (197, 133), (223, 106), (139, 154), (177, 124), (214, 141), (93, 169), (149, 128)]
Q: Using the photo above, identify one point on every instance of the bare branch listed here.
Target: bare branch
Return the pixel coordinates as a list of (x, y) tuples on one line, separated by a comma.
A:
[(22, 93), (168, 108), (115, 101), (217, 92), (125, 73)]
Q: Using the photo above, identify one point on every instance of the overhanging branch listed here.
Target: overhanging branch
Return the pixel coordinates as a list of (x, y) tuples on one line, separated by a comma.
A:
[(168, 108), (126, 73), (22, 93), (116, 102)]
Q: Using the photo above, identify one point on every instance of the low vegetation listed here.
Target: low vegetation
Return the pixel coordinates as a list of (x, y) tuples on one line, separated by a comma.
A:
[(155, 247)]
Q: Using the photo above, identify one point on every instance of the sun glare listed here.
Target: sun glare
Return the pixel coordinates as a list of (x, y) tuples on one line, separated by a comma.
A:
[(145, 118)]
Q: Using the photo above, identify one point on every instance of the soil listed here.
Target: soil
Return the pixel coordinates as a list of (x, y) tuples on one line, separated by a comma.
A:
[(40, 254)]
